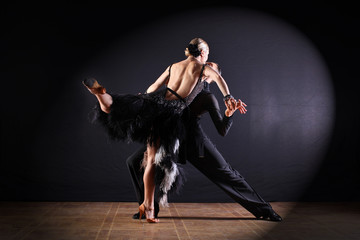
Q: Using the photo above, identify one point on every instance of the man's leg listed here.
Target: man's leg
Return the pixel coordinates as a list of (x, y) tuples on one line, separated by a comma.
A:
[(219, 171), (134, 165)]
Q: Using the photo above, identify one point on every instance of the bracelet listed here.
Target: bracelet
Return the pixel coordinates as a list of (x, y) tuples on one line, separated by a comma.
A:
[(227, 97)]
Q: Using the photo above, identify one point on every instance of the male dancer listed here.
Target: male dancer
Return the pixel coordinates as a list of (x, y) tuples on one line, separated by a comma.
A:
[(206, 158)]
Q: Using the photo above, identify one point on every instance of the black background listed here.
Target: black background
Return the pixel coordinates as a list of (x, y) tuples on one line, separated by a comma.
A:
[(55, 40)]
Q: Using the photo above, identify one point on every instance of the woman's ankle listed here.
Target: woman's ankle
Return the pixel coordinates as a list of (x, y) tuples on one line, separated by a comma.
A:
[(148, 205)]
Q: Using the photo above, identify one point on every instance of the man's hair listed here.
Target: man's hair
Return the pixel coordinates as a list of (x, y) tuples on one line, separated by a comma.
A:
[(219, 69)]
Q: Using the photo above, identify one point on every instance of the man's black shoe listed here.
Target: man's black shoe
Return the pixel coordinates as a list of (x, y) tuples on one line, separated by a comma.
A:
[(136, 216), (270, 215)]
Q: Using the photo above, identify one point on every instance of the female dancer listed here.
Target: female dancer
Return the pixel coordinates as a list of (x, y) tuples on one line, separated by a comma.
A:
[(156, 118)]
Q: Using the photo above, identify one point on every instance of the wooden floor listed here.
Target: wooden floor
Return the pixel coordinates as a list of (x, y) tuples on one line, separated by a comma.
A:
[(112, 220)]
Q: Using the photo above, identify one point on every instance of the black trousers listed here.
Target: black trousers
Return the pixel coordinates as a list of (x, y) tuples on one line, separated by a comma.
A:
[(213, 166)]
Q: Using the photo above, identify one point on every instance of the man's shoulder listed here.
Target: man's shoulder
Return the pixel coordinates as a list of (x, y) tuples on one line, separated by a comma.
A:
[(208, 95), (207, 98)]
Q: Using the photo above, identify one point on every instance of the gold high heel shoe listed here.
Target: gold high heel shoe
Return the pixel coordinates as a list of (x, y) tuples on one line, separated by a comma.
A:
[(93, 86), (142, 211)]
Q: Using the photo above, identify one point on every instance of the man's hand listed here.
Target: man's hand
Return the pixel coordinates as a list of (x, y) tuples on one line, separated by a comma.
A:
[(232, 105), (241, 106)]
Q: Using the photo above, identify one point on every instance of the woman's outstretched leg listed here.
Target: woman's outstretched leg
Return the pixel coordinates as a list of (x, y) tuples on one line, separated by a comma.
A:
[(149, 184), (105, 99)]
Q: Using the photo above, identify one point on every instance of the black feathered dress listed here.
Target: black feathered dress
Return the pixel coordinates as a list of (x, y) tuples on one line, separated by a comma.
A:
[(150, 118)]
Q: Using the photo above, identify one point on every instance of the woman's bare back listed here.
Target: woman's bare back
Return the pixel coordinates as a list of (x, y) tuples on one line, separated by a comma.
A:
[(183, 78)]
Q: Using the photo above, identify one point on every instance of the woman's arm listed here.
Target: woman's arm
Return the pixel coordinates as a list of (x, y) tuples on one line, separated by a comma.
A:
[(159, 82), (216, 77), (231, 103)]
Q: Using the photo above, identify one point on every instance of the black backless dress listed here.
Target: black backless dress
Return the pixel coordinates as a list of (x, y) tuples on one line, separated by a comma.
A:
[(150, 118)]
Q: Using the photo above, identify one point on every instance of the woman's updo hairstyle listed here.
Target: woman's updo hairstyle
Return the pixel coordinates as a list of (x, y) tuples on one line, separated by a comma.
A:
[(195, 47)]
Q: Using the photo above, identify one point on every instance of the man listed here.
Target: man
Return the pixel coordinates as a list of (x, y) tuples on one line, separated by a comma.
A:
[(203, 155)]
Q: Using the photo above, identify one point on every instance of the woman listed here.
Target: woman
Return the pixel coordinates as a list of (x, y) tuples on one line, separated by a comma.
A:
[(156, 118)]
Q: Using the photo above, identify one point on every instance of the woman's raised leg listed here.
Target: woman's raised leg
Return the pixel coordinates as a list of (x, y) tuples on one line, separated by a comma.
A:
[(105, 99)]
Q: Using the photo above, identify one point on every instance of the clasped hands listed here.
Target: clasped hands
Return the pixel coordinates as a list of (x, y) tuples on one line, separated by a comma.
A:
[(232, 105)]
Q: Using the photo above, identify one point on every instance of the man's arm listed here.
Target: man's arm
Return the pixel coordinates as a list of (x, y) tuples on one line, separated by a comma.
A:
[(221, 121)]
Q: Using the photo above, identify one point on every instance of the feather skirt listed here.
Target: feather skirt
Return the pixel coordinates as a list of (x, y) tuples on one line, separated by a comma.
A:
[(150, 118)]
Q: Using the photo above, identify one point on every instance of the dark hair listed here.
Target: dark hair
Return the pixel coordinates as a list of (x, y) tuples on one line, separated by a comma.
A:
[(195, 47), (218, 66), (193, 50), (219, 69)]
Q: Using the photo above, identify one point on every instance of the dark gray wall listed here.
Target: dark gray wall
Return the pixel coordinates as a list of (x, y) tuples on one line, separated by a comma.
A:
[(296, 73)]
